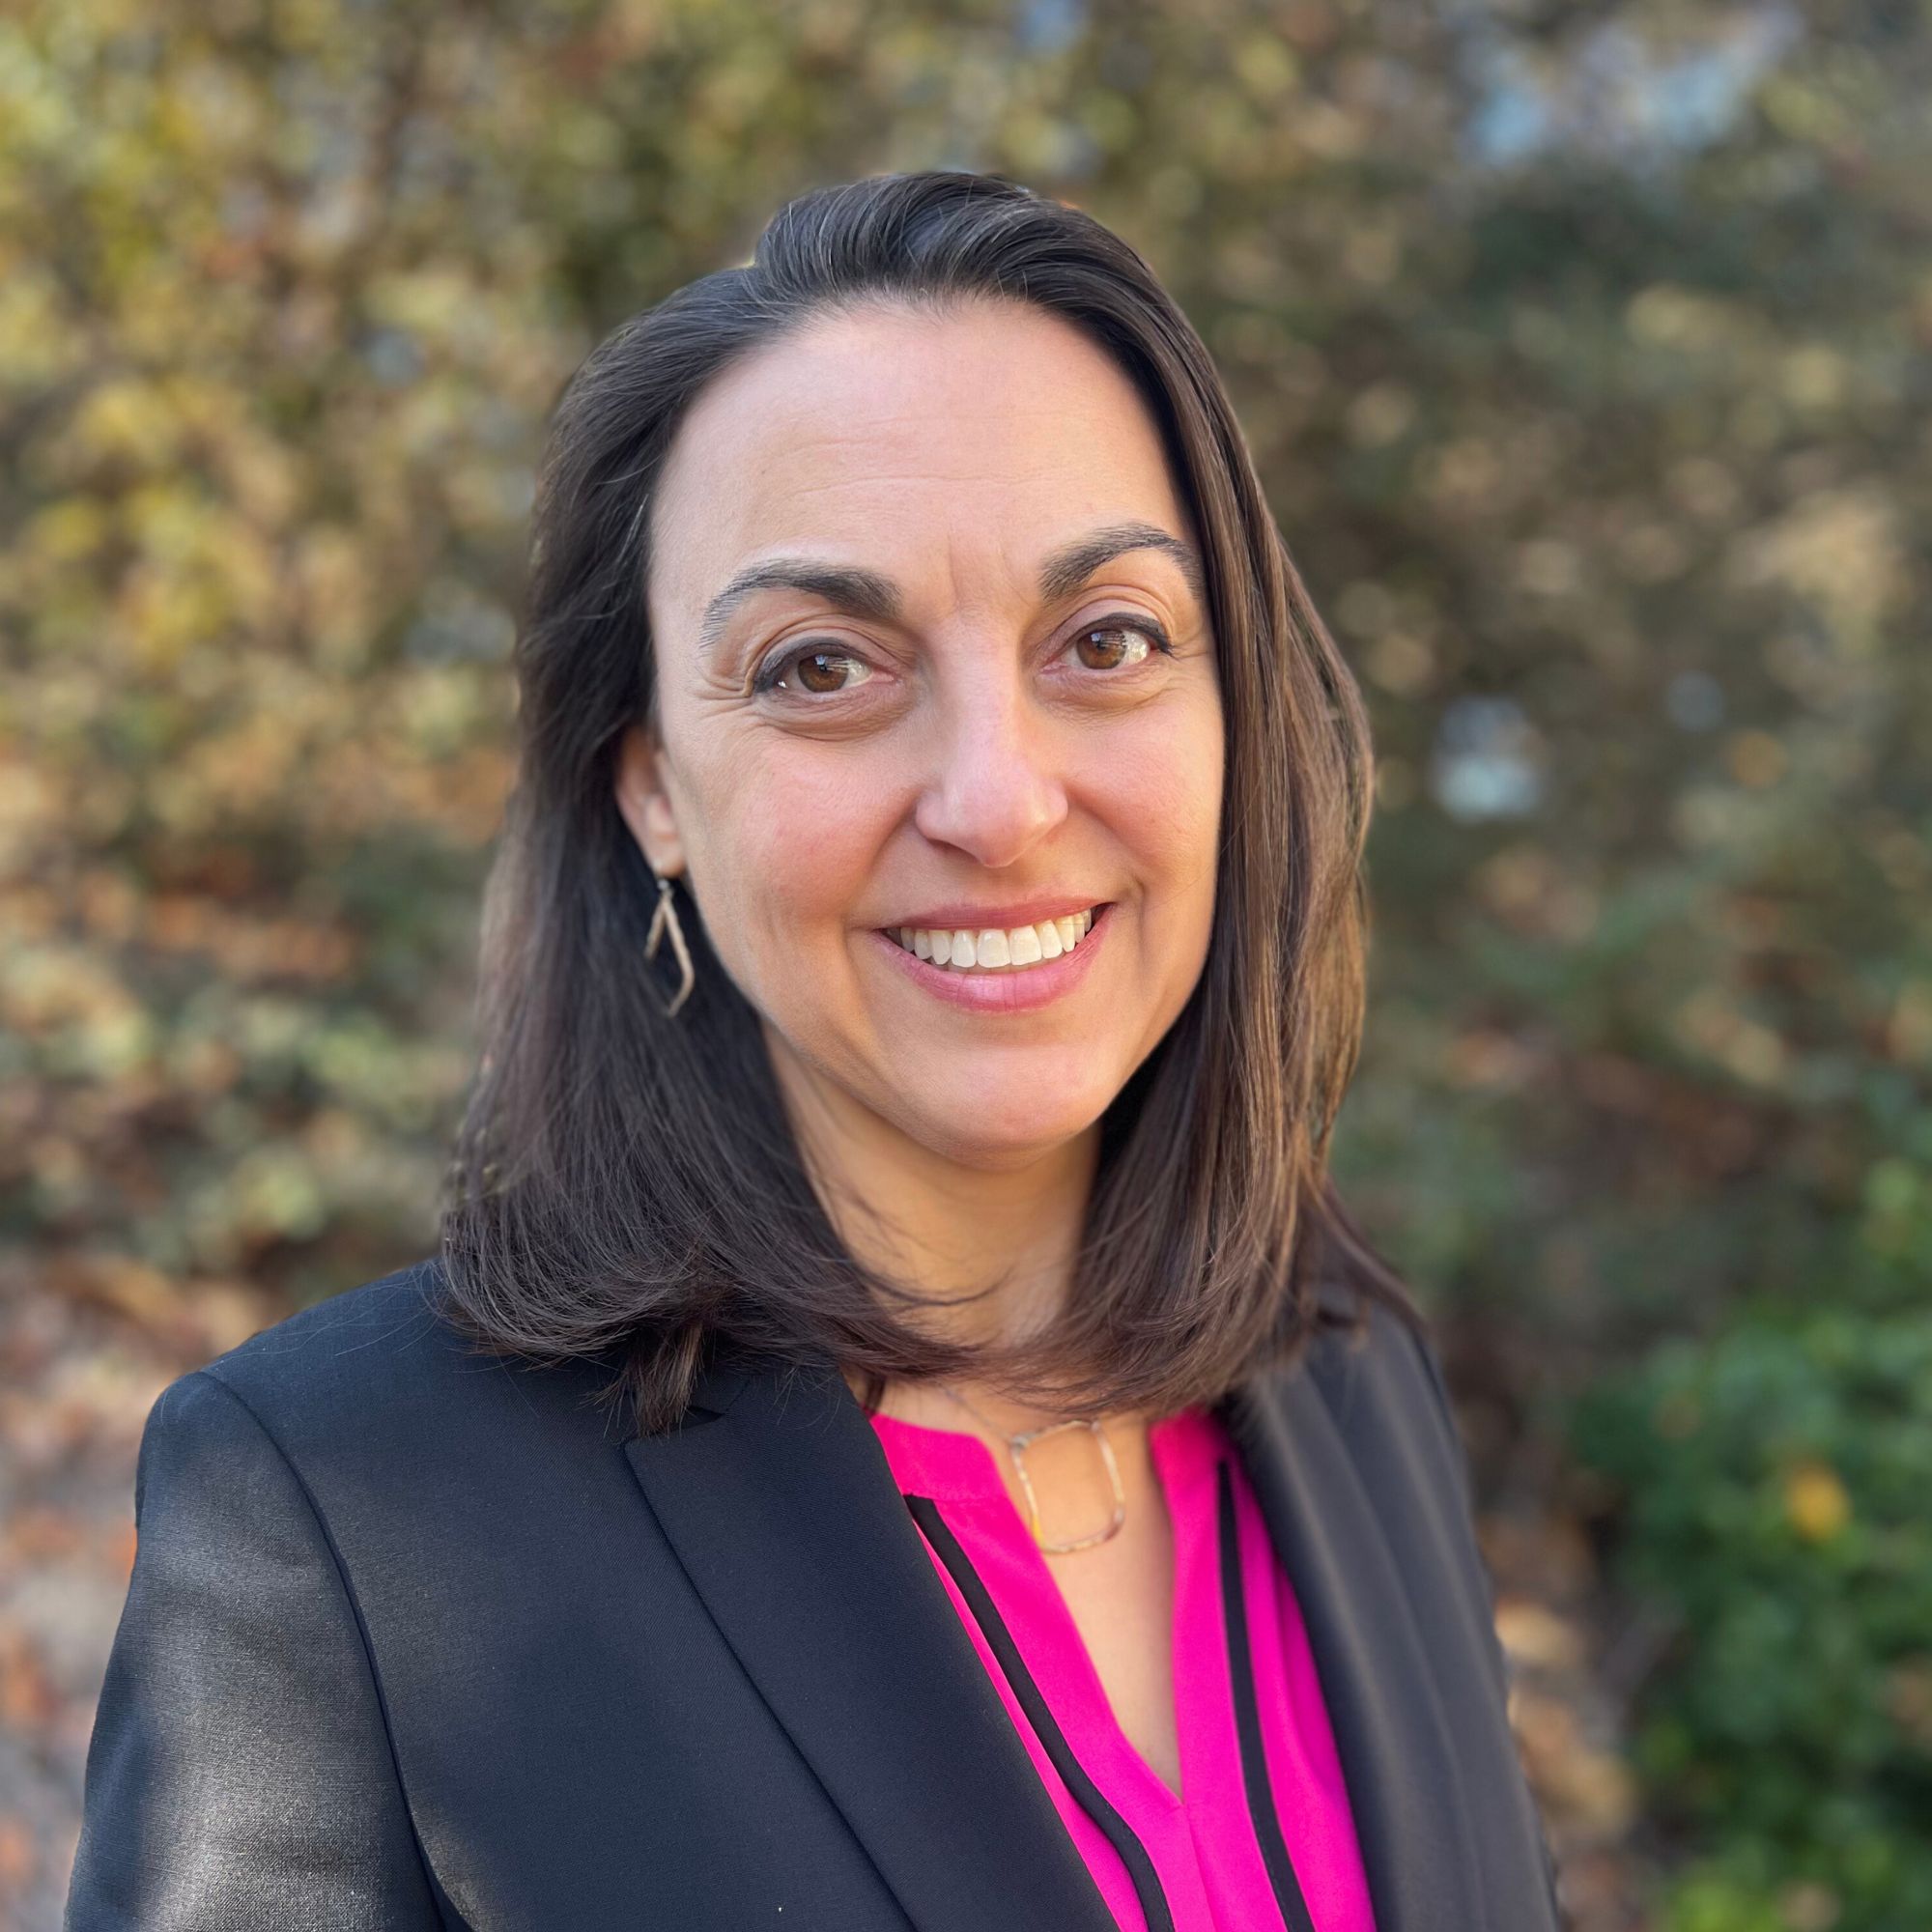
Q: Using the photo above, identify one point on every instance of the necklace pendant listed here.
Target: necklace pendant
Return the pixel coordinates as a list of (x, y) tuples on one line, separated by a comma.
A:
[(1018, 1445)]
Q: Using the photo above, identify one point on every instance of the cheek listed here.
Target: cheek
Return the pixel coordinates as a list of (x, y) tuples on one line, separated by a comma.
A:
[(1164, 792), (790, 844), (1175, 797)]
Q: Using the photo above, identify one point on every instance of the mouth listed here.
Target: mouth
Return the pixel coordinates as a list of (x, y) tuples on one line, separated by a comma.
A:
[(993, 951)]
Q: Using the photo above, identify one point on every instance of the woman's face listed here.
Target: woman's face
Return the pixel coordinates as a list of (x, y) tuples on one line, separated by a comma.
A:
[(911, 587)]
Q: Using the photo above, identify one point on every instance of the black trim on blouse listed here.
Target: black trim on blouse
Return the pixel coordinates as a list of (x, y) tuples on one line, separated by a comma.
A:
[(1263, 1813), (1248, 1722), (1039, 1715)]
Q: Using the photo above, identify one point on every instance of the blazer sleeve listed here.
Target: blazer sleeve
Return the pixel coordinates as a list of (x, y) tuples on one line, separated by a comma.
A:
[(238, 1776)]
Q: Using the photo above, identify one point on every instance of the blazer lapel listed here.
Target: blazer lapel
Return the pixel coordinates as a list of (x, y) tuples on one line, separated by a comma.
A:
[(778, 1500), (1397, 1755)]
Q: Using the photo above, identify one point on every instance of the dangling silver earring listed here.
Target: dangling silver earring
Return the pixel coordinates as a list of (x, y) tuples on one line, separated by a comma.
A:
[(662, 919)]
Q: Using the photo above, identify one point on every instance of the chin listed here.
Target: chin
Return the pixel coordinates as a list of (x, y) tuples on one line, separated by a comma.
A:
[(995, 1137)]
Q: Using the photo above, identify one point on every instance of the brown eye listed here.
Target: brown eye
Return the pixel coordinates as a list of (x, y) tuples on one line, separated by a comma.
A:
[(817, 671), (820, 671), (1120, 643)]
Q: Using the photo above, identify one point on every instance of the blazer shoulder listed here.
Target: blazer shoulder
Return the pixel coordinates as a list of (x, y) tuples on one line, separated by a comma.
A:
[(380, 1369), (1383, 1357), (351, 1343), (1381, 1383)]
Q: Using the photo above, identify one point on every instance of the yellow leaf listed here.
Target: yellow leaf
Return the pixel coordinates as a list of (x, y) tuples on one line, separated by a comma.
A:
[(1815, 1501)]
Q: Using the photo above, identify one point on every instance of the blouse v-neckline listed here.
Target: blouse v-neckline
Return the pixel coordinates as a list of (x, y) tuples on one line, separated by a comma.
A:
[(1221, 1853), (961, 1472)]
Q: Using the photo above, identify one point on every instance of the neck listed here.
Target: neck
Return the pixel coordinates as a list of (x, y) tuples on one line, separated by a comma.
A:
[(944, 1225)]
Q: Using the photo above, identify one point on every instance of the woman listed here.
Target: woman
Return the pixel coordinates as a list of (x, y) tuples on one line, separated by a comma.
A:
[(900, 1431)]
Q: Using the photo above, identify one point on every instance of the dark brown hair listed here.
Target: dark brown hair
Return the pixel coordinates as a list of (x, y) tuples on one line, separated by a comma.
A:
[(627, 1185)]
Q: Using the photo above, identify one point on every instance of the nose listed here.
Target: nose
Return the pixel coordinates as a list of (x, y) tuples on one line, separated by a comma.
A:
[(996, 789)]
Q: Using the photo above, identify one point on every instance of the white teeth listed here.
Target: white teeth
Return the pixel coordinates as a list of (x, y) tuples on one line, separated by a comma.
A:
[(993, 949)]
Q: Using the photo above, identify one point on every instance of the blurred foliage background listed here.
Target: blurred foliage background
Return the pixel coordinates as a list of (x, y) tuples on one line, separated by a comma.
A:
[(1586, 350)]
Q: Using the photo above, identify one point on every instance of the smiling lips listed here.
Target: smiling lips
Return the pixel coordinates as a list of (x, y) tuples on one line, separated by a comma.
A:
[(994, 949)]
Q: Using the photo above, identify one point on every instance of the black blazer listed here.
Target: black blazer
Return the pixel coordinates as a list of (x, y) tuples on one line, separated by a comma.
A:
[(415, 1639)]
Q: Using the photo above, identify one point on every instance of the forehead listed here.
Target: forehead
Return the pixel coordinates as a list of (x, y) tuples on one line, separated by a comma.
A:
[(933, 448)]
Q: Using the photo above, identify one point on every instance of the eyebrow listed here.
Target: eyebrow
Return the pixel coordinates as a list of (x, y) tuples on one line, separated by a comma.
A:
[(866, 593)]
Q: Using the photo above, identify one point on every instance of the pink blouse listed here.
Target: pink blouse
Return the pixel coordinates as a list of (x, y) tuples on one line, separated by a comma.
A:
[(1210, 1861)]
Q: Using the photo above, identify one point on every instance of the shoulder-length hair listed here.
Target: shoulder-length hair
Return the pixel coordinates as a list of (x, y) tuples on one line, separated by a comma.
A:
[(626, 1184)]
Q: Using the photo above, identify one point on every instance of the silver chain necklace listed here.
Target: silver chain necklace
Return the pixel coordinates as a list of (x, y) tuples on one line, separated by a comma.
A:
[(1016, 1448)]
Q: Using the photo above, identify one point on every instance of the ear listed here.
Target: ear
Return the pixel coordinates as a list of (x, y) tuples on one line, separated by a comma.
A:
[(646, 804)]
